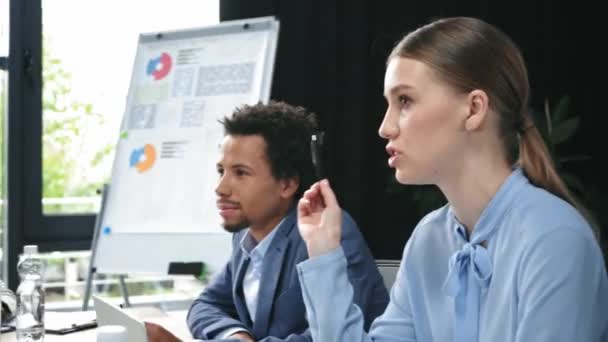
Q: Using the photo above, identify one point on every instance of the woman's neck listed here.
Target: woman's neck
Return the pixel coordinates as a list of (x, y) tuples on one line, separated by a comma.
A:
[(472, 186)]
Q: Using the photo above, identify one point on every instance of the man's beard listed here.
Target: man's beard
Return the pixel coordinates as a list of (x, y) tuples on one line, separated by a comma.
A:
[(236, 227)]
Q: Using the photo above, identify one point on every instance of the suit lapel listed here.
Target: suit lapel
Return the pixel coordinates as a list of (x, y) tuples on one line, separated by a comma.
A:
[(271, 272), (237, 291)]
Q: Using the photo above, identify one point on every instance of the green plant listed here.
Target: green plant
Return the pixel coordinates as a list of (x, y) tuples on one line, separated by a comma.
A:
[(68, 124), (558, 127)]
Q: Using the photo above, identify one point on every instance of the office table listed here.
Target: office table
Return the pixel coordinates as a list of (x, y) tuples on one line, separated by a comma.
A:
[(174, 321)]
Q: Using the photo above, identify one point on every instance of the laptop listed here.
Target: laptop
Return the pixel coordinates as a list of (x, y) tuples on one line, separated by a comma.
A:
[(111, 314)]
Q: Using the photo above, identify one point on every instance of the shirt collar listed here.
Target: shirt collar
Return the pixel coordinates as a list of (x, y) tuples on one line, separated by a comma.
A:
[(250, 247), (498, 206)]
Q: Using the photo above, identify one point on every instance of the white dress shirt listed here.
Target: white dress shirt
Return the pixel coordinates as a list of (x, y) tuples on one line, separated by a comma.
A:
[(251, 281)]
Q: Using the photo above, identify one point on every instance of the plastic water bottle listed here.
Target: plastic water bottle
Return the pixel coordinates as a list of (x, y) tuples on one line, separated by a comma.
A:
[(30, 297)]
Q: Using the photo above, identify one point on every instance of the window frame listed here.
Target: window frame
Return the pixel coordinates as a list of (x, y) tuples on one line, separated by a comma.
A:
[(26, 223)]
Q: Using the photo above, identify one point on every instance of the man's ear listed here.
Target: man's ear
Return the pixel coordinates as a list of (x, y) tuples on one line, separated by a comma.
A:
[(289, 186), (478, 105)]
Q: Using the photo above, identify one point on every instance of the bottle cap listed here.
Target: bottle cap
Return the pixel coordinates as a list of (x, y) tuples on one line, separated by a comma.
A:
[(30, 249), (112, 333)]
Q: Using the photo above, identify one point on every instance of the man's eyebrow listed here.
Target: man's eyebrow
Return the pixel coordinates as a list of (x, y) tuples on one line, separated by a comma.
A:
[(241, 165)]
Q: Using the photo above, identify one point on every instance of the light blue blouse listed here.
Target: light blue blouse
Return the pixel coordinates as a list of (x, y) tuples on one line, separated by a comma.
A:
[(541, 278)]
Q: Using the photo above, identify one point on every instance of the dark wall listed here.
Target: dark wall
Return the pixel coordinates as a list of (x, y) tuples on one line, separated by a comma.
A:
[(331, 59)]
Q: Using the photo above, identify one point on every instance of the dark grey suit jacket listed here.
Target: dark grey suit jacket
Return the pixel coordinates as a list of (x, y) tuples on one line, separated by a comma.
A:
[(280, 313)]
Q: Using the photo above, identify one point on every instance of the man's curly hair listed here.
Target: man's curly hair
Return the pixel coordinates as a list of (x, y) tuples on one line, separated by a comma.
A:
[(287, 131)]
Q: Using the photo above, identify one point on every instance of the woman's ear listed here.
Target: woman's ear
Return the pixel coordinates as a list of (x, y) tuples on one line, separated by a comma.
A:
[(478, 105)]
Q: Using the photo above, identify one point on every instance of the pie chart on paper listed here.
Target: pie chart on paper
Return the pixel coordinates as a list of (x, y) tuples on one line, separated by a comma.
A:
[(159, 67)]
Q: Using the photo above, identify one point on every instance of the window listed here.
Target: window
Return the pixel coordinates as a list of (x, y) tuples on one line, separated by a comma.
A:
[(66, 274), (68, 90), (87, 64)]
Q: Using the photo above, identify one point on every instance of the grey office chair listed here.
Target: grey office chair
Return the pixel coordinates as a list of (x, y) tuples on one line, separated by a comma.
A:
[(388, 270)]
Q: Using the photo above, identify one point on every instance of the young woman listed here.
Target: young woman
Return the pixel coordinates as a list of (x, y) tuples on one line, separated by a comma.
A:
[(509, 258)]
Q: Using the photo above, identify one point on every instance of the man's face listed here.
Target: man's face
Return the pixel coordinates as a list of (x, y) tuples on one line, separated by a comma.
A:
[(247, 193)]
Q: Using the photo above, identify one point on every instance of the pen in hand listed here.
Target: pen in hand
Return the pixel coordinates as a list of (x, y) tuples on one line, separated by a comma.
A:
[(315, 150)]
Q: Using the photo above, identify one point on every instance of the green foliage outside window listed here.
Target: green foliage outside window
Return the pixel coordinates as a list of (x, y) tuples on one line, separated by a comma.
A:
[(65, 135)]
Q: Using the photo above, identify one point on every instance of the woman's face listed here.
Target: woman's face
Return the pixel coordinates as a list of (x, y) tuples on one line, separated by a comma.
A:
[(424, 122)]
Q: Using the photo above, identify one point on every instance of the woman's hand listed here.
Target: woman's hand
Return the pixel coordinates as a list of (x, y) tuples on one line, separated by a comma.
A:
[(320, 219)]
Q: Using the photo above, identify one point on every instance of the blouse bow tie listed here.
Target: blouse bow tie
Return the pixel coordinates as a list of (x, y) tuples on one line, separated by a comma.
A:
[(474, 257)]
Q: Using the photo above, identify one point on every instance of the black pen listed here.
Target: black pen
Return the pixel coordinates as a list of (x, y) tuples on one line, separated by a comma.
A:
[(315, 150)]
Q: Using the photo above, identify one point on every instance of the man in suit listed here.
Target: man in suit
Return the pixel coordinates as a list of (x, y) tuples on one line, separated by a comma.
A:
[(264, 167)]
